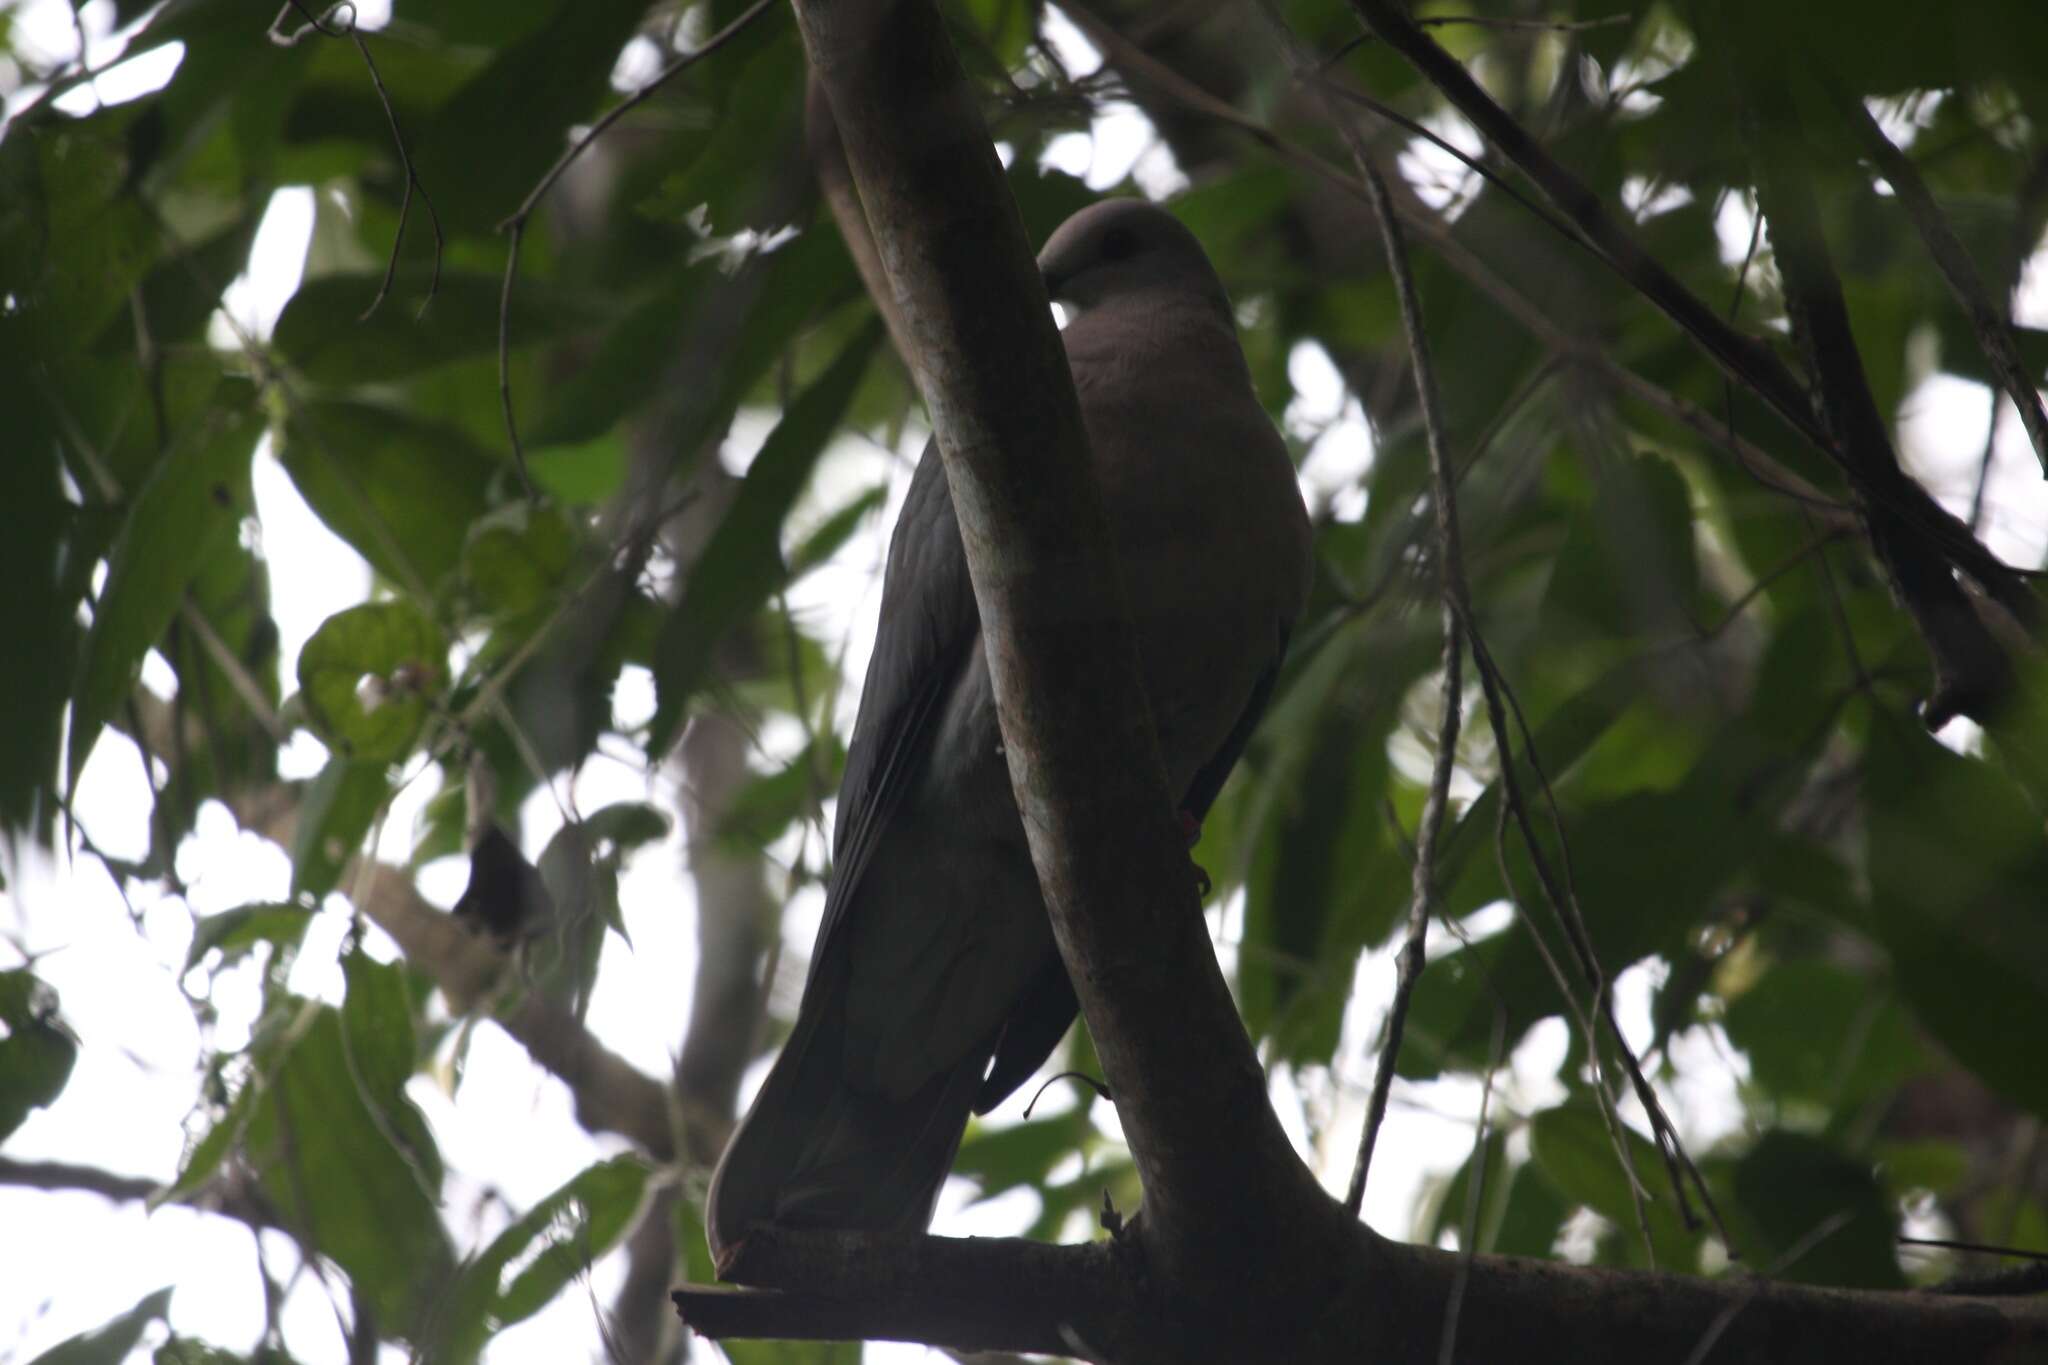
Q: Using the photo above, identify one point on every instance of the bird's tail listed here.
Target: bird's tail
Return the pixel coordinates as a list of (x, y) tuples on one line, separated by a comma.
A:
[(816, 1152)]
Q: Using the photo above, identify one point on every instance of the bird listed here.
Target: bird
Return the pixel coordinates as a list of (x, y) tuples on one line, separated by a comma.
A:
[(934, 987)]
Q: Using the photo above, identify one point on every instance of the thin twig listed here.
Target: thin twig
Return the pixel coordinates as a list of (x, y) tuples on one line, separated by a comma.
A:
[(1950, 1244), (515, 225), (1825, 1229), (1475, 1191), (320, 24), (1450, 574)]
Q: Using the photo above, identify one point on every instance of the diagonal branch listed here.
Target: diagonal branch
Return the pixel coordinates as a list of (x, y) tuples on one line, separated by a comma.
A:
[(1994, 334), (1905, 504), (1972, 674)]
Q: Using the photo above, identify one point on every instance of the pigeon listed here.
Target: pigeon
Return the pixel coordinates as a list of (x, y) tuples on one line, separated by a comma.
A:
[(935, 988)]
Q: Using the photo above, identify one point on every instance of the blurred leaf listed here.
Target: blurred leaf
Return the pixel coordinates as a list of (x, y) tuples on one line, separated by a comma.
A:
[(369, 675), (334, 815), (186, 512), (400, 490), (116, 1341), (1823, 1035), (518, 556), (235, 932), (529, 1262), (1572, 1148), (36, 1051), (742, 566), (1791, 1190), (1956, 860), (324, 334), (350, 1164)]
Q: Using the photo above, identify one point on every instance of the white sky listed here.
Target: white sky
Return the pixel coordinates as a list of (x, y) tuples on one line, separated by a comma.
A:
[(72, 1261)]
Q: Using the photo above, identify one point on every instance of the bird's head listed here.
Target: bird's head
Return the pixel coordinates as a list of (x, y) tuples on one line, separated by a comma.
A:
[(1126, 246)]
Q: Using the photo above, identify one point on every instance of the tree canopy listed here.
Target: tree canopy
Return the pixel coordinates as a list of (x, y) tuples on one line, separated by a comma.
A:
[(1737, 320)]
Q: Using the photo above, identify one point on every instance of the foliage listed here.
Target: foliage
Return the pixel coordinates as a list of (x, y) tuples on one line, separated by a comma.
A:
[(1716, 689)]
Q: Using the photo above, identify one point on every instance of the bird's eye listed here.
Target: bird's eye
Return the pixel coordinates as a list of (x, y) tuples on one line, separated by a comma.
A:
[(1119, 244)]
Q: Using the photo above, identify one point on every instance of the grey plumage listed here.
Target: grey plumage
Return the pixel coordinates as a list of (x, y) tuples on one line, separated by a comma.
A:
[(934, 987)]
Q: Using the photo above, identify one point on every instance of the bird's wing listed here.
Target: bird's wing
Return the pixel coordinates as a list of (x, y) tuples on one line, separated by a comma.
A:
[(929, 623)]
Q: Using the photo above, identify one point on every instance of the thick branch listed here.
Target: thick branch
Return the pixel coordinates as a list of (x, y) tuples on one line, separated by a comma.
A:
[(1216, 1167), (1087, 1301), (969, 1294)]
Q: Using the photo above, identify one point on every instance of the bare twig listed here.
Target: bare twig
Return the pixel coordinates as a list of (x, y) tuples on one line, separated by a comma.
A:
[(320, 24), (1450, 575), (1826, 1228), (1475, 1192), (515, 225)]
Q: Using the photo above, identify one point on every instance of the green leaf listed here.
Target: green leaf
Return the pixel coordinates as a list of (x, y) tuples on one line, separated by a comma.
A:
[(1626, 568), (1789, 1189), (324, 334), (36, 1051), (824, 541), (114, 1342), (491, 142), (742, 566), (1000, 1159), (769, 803), (518, 557), (528, 1263), (234, 932), (350, 1164), (1956, 861), (401, 490), (1572, 1148), (73, 242), (1822, 1035), (334, 816), (625, 825), (369, 676), (186, 512), (376, 1020)]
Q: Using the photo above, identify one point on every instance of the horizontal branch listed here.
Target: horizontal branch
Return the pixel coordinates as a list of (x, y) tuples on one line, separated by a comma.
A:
[(966, 1294), (1089, 1301)]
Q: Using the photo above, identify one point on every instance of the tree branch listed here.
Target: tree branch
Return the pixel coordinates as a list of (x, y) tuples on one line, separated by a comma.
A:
[(1904, 502), (1084, 762), (1994, 334), (1972, 674), (611, 1095)]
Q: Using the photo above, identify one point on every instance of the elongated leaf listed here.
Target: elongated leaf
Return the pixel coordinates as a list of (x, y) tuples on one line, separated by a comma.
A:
[(350, 1164), (113, 1343), (326, 338), (742, 566), (334, 815), (36, 1051), (555, 1240), (186, 512), (1957, 862), (401, 490)]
